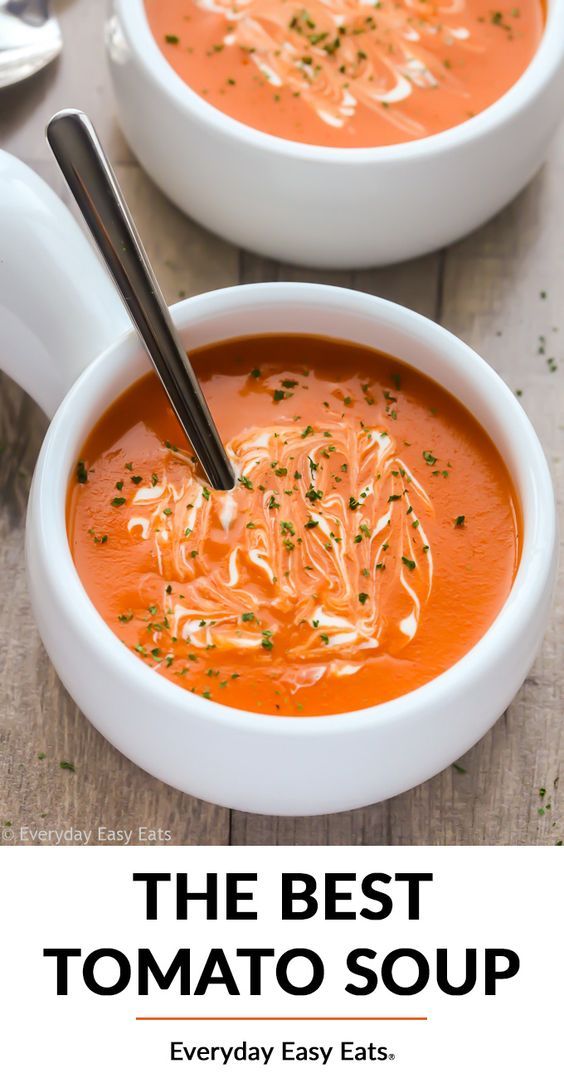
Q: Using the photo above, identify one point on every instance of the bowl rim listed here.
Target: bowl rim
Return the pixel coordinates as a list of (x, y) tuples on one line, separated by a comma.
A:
[(543, 67), (47, 518)]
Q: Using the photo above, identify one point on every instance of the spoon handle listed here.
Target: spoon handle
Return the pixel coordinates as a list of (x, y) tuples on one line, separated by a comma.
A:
[(91, 179)]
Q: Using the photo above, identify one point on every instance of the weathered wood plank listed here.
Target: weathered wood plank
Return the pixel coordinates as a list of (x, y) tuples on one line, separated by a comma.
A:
[(503, 292)]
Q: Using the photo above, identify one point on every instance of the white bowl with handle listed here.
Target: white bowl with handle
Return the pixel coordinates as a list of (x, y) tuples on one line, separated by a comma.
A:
[(64, 337), (318, 206)]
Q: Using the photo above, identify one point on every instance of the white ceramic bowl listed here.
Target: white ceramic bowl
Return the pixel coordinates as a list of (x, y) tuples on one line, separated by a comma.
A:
[(260, 763), (330, 207)]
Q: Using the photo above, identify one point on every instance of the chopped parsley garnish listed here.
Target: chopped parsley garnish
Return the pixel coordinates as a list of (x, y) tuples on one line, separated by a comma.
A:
[(246, 483), (407, 561), (97, 538), (117, 502), (459, 522), (81, 473), (363, 597)]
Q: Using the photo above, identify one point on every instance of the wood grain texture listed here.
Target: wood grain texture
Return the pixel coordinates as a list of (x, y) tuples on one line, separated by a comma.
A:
[(488, 290)]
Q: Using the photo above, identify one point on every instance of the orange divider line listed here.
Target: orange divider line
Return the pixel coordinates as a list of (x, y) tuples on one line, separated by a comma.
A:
[(281, 1018)]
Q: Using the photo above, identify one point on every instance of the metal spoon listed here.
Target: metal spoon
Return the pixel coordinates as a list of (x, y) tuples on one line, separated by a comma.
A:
[(89, 175), (30, 38)]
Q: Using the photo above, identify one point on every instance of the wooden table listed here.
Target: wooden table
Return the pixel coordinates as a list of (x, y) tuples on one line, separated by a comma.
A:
[(490, 289)]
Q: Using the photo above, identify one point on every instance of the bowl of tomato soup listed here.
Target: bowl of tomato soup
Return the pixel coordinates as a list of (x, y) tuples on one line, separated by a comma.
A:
[(352, 563), (338, 134), (362, 606)]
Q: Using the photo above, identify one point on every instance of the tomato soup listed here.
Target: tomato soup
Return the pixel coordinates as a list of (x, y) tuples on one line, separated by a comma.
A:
[(370, 541), (348, 72)]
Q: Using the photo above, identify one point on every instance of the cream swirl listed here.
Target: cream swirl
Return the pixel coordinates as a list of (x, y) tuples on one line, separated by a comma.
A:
[(323, 542), (338, 54)]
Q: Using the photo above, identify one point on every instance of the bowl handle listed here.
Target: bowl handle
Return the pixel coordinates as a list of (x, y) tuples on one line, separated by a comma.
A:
[(58, 307)]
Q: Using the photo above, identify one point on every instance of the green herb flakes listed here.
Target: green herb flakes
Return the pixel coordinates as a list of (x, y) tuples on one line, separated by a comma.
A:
[(81, 473)]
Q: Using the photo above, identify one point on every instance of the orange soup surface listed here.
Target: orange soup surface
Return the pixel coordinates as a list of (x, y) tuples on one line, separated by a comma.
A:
[(370, 541), (348, 72)]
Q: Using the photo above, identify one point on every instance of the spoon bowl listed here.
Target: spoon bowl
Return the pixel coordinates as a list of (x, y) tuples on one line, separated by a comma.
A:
[(30, 38)]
